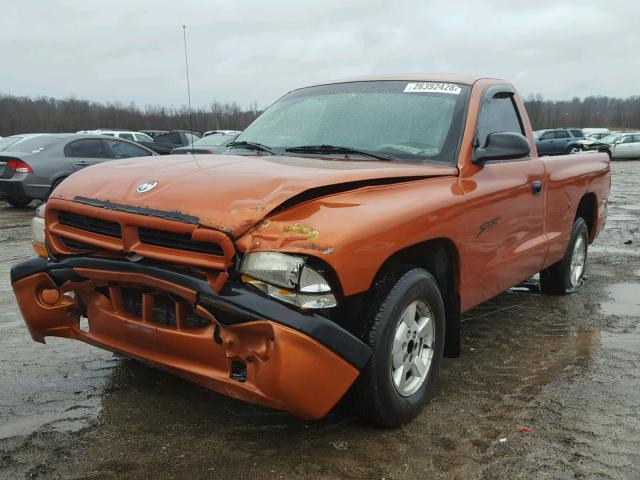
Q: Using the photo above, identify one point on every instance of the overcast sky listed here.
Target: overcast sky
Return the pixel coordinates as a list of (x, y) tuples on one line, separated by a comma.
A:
[(245, 51)]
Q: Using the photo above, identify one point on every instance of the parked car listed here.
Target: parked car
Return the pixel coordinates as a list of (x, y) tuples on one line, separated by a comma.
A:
[(619, 145), (339, 238), (138, 137), (32, 168), (560, 141), (596, 133), (598, 136), (163, 144), (154, 133), (221, 132), (7, 142), (214, 143)]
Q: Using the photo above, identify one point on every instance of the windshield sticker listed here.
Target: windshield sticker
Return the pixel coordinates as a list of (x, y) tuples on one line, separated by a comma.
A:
[(429, 87)]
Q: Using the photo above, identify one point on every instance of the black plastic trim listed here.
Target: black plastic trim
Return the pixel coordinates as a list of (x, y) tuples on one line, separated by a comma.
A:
[(150, 212), (236, 303)]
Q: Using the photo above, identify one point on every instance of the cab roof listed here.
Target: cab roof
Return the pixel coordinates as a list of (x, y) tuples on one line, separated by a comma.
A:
[(414, 77)]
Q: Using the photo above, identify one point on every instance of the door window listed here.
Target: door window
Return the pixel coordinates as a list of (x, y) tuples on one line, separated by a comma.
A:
[(173, 137), (126, 136), (86, 148), (125, 150), (498, 114), (562, 134), (548, 136)]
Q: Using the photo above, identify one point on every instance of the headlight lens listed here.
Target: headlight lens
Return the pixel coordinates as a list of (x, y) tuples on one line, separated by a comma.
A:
[(37, 230), (288, 279), (38, 237)]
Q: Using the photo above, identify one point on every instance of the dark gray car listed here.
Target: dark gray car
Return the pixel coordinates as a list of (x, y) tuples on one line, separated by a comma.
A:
[(33, 167)]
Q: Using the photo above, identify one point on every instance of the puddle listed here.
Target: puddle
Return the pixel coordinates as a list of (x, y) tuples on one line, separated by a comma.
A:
[(620, 218), (71, 420), (630, 207), (627, 341), (625, 300)]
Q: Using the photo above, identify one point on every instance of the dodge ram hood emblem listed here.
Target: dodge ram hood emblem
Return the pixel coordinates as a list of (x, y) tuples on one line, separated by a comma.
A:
[(146, 186)]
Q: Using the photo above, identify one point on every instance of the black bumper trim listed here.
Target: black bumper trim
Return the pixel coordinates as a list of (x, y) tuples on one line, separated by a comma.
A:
[(236, 300)]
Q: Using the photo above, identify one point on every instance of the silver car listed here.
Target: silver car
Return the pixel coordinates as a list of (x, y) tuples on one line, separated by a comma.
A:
[(33, 167), (626, 145), (618, 145)]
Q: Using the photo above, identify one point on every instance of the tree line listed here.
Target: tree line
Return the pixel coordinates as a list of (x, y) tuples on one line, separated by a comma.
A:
[(51, 115), (600, 111), (45, 114)]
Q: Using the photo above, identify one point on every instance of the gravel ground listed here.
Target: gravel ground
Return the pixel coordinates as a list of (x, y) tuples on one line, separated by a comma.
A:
[(546, 387)]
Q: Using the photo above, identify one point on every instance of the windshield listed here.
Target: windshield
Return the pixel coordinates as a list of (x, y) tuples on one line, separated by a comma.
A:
[(609, 138), (399, 120), (8, 141), (212, 140)]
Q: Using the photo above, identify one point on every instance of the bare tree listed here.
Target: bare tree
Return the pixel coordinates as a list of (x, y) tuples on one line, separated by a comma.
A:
[(46, 114)]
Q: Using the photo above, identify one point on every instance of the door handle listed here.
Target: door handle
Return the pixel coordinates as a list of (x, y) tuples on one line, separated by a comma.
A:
[(82, 164), (536, 187)]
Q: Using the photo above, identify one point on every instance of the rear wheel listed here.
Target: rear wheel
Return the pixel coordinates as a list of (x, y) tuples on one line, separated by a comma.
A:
[(405, 330), (566, 275), (54, 186), (19, 202)]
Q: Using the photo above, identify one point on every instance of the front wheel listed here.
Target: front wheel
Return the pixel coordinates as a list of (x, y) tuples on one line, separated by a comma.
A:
[(573, 149), (405, 329), (566, 275)]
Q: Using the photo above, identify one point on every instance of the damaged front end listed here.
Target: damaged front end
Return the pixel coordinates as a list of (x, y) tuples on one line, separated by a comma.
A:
[(173, 304)]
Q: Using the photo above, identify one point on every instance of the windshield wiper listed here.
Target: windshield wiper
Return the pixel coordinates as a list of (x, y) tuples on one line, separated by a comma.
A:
[(251, 146), (335, 149)]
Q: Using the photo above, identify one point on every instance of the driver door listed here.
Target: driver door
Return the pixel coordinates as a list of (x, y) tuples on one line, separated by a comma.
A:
[(503, 241)]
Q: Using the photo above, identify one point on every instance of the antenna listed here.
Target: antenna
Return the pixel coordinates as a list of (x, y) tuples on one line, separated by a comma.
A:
[(186, 66)]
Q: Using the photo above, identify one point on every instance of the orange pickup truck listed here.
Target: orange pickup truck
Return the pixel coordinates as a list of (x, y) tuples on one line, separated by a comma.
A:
[(331, 249)]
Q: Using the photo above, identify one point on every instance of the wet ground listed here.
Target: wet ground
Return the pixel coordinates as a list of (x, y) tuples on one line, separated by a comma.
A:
[(546, 387)]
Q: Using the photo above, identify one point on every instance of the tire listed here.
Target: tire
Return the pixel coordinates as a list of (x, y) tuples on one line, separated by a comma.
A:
[(380, 392), (19, 202), (573, 149), (54, 186), (566, 276)]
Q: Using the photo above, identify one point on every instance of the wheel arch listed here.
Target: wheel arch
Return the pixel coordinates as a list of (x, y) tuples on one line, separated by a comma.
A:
[(56, 179), (440, 257), (588, 210)]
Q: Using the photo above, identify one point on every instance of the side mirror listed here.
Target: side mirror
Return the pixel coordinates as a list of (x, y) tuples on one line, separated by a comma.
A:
[(502, 146)]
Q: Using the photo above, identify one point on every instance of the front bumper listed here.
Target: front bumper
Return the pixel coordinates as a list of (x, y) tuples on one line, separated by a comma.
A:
[(251, 348)]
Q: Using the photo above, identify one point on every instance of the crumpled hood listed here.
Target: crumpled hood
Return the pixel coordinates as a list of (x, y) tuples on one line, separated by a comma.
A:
[(227, 192)]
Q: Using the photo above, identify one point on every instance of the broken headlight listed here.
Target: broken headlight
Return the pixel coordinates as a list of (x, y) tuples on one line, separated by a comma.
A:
[(287, 278)]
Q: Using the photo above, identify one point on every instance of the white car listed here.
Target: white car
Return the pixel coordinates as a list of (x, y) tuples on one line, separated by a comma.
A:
[(126, 134), (626, 145)]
